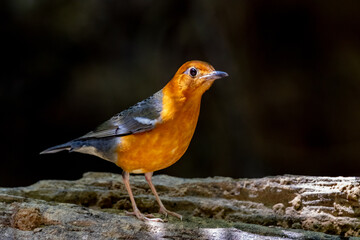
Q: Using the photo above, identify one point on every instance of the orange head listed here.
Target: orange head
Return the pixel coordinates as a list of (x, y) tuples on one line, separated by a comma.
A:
[(195, 77)]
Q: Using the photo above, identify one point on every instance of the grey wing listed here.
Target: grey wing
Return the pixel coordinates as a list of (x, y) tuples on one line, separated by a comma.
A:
[(141, 117)]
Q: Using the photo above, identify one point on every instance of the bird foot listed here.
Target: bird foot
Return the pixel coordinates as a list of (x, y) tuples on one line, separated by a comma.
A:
[(166, 212), (143, 217)]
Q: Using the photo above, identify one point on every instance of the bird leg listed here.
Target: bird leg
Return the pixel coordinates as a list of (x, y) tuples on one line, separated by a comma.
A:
[(136, 212), (162, 210)]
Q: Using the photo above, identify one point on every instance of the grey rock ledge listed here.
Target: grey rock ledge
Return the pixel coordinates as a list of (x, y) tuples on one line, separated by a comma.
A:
[(280, 207)]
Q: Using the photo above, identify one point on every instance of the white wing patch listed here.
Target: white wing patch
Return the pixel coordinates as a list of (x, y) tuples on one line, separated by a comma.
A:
[(146, 121)]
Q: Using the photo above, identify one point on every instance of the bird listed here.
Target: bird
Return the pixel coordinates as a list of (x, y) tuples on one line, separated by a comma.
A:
[(152, 134)]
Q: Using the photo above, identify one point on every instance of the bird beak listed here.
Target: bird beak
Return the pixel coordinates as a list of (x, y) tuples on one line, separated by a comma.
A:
[(215, 75)]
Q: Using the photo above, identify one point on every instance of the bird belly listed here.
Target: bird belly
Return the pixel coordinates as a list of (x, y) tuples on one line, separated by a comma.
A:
[(159, 148)]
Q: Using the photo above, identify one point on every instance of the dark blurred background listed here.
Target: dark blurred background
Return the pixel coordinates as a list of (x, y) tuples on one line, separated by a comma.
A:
[(290, 106)]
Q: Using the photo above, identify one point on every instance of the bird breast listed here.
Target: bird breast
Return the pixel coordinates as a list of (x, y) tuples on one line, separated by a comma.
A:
[(165, 144)]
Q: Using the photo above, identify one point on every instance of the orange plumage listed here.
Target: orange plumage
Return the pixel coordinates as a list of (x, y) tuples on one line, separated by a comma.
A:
[(154, 133)]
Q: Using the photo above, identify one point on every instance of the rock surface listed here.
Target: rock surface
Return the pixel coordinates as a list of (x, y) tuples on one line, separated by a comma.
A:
[(281, 207)]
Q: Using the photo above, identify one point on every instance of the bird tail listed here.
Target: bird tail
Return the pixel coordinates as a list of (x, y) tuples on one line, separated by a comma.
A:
[(58, 148), (102, 147)]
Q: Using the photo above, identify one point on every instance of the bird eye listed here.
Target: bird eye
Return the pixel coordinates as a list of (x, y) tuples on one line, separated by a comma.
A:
[(193, 72)]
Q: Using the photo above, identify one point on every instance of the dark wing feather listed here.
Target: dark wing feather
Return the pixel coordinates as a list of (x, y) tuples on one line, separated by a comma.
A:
[(141, 117)]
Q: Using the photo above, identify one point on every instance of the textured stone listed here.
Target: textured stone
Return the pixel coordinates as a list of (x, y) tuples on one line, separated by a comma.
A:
[(281, 207)]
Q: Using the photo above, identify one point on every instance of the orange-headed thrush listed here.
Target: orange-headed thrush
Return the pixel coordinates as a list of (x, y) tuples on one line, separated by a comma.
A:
[(154, 133)]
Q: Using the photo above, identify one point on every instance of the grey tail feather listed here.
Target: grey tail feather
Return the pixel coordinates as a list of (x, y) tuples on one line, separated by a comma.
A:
[(58, 148)]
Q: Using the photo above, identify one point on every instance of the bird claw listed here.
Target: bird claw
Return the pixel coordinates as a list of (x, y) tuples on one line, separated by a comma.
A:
[(166, 212), (144, 217)]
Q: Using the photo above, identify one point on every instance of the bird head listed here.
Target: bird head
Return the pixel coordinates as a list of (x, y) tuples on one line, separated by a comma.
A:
[(195, 77)]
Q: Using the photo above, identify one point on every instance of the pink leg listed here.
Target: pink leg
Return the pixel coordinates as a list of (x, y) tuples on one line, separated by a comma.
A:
[(136, 212), (162, 210)]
